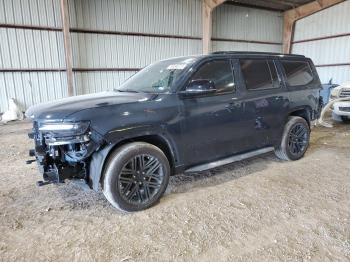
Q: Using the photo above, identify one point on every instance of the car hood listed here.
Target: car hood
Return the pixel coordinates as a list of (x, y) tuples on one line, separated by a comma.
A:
[(62, 108)]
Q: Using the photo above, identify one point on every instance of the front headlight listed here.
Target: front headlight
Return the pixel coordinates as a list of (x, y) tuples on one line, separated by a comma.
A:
[(335, 93), (65, 129)]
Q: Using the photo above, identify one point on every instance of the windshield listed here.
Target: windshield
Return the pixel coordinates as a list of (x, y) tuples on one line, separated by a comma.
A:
[(158, 77)]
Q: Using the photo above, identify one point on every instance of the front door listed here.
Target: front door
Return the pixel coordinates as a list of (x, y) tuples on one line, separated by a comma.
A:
[(211, 128)]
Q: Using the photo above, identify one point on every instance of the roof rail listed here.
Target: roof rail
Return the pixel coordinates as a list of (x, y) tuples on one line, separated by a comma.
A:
[(253, 53)]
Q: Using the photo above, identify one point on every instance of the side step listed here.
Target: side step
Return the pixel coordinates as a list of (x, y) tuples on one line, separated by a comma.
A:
[(228, 160)]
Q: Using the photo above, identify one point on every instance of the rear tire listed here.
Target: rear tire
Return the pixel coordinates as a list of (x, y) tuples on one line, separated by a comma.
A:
[(135, 177), (295, 139)]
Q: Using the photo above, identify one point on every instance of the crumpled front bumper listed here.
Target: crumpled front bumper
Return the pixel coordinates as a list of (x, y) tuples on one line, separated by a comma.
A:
[(60, 161), (52, 166)]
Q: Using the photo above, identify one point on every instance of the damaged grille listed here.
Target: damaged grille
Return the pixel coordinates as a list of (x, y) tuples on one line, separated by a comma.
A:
[(59, 162), (344, 109), (40, 147), (345, 93)]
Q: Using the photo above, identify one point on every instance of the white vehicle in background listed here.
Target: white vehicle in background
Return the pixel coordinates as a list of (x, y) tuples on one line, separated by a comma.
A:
[(341, 108)]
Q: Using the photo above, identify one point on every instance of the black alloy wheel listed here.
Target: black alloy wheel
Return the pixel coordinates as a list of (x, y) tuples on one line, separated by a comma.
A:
[(135, 177), (140, 179), (298, 139), (295, 139)]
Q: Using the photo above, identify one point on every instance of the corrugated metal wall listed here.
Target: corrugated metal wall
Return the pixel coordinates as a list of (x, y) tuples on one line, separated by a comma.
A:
[(129, 34), (30, 49), (111, 39), (334, 50), (240, 28)]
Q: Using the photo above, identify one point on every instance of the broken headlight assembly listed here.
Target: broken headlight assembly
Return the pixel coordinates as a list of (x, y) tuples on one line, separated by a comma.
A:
[(62, 133)]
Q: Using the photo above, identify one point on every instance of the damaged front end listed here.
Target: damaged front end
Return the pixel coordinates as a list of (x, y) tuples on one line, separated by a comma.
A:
[(63, 149)]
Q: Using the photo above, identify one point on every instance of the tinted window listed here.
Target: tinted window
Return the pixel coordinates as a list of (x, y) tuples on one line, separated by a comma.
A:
[(259, 74), (297, 72), (220, 72)]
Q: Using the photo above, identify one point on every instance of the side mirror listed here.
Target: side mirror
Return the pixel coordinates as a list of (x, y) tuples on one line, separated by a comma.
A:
[(199, 87)]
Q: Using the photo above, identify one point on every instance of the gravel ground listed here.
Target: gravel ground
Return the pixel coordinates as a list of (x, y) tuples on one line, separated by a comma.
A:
[(259, 209)]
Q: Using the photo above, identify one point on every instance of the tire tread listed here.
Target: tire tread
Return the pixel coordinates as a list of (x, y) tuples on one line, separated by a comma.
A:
[(113, 160), (281, 150)]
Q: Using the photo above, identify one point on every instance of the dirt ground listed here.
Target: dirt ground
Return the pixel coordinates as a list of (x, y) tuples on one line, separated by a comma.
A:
[(261, 209)]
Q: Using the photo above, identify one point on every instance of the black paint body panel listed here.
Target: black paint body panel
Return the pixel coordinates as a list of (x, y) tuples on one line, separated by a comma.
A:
[(196, 129)]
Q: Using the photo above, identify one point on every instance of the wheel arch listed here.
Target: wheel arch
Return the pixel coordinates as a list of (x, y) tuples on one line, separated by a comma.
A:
[(303, 112), (99, 159)]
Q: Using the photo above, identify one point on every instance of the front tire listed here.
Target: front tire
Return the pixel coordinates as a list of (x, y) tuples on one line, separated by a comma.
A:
[(295, 139), (345, 119), (135, 177)]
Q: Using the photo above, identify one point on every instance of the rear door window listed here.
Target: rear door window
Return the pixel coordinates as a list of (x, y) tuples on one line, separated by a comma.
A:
[(259, 74), (297, 72)]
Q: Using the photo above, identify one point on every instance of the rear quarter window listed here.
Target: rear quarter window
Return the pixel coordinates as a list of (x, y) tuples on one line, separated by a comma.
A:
[(297, 73)]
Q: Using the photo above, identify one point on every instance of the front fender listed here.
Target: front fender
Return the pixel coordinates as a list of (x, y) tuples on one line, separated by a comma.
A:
[(128, 133), (97, 165), (117, 137)]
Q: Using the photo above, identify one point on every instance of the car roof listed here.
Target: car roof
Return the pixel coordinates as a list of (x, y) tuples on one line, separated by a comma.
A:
[(233, 54), (262, 54)]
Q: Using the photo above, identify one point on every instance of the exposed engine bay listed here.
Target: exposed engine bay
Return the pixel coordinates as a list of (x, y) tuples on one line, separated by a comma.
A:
[(62, 150)]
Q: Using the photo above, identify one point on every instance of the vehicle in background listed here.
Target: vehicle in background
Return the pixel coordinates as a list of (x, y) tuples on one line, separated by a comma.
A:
[(341, 109), (326, 91), (186, 114)]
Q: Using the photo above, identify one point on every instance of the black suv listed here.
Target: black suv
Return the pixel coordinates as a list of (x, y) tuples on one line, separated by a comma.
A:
[(185, 114)]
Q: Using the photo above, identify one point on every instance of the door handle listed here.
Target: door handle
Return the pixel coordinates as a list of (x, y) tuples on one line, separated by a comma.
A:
[(279, 98)]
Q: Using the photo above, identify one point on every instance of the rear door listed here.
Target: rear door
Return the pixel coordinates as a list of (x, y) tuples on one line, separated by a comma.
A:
[(265, 101)]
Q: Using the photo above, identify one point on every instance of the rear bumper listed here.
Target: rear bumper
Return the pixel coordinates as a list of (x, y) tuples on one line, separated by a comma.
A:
[(341, 108)]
